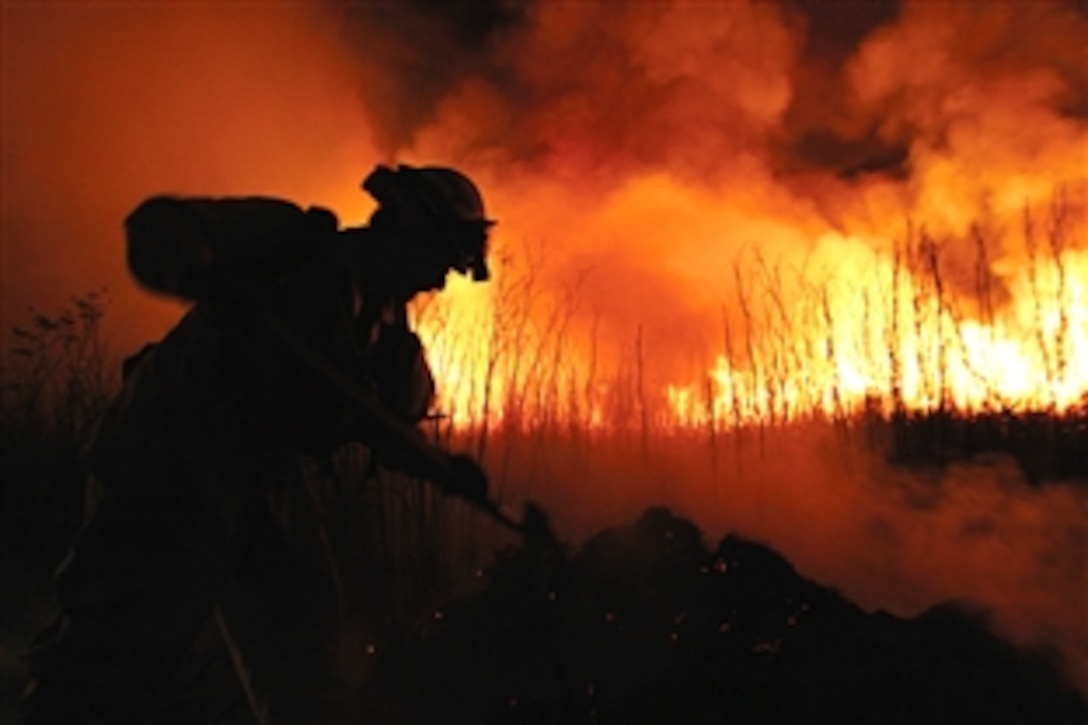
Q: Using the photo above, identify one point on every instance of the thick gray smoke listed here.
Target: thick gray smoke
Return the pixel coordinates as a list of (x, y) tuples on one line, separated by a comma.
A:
[(412, 55), (814, 84)]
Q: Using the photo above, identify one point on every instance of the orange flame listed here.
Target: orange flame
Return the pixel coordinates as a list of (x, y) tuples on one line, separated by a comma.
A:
[(690, 133), (854, 330), (883, 339)]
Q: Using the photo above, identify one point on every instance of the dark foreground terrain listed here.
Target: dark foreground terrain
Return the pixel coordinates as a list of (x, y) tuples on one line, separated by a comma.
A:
[(646, 624)]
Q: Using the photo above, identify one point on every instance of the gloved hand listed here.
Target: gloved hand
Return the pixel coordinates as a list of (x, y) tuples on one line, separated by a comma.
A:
[(466, 478)]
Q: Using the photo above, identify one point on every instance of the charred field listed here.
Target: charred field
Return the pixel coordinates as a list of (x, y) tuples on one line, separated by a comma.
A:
[(921, 568), (645, 623)]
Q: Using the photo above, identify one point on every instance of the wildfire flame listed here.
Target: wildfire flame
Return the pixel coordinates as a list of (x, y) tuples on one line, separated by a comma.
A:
[(719, 270), (881, 332), (885, 340)]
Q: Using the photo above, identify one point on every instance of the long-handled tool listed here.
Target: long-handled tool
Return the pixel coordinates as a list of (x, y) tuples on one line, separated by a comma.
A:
[(534, 523)]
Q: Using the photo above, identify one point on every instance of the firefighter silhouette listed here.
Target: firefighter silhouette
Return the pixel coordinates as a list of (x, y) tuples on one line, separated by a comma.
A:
[(217, 414)]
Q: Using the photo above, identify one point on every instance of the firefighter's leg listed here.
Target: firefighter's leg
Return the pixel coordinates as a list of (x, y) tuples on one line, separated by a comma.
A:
[(281, 620), (133, 599)]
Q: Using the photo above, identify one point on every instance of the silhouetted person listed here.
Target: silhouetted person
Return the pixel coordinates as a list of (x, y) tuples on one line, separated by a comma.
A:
[(216, 416)]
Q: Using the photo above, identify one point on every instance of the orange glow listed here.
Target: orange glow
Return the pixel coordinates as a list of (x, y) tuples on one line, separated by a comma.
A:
[(904, 346), (855, 330)]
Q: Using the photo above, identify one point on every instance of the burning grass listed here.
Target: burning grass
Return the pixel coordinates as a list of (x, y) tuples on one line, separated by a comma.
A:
[(921, 327)]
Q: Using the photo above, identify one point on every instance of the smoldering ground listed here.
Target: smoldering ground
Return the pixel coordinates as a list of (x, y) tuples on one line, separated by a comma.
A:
[(889, 537), (646, 143)]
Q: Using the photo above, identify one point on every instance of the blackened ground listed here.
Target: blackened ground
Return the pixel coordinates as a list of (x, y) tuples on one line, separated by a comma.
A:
[(647, 624)]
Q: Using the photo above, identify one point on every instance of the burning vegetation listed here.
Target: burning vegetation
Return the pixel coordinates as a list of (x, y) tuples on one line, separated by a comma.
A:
[(811, 274), (735, 274)]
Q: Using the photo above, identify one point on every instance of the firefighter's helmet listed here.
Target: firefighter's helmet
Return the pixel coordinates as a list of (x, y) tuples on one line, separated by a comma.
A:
[(443, 199)]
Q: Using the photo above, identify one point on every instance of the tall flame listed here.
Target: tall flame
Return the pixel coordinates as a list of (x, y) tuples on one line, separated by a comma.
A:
[(743, 216), (853, 330), (891, 339)]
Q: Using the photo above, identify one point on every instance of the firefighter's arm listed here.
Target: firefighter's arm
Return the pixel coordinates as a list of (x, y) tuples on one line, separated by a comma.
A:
[(405, 387), (454, 473), (400, 372), (403, 445)]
